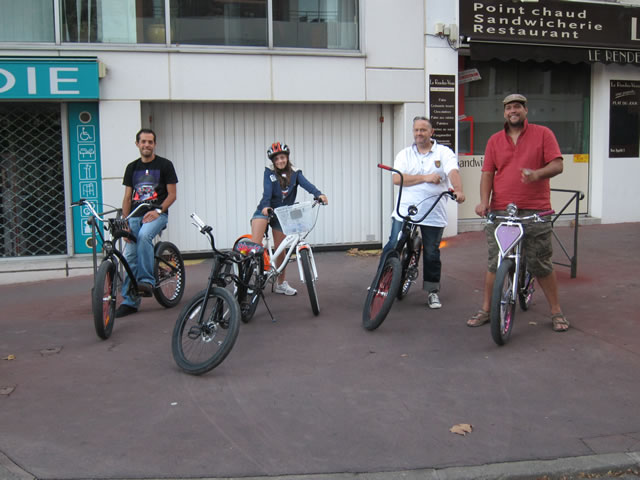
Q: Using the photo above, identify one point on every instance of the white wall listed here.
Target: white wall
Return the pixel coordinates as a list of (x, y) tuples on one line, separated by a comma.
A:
[(614, 181), (119, 123)]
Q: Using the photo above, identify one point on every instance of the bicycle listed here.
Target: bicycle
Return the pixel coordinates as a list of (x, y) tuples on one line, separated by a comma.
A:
[(169, 271), (297, 222), (207, 327), (513, 279), (399, 268)]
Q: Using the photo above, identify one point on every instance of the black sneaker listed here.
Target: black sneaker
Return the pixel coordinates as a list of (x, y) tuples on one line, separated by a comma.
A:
[(124, 310), (145, 289)]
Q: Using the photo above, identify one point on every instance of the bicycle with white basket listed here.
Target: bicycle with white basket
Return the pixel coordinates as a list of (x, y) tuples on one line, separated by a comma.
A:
[(296, 221)]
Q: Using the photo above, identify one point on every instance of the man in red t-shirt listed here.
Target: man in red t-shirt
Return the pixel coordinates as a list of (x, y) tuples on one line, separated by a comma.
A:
[(518, 163)]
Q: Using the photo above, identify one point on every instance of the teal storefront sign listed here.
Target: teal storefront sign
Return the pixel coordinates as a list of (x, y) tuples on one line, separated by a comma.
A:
[(36, 78), (86, 171)]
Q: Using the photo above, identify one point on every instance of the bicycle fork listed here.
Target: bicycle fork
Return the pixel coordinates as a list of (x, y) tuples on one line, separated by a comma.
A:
[(307, 247)]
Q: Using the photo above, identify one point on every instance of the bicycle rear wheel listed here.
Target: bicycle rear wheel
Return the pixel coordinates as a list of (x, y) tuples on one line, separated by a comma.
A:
[(409, 272), (381, 294), (105, 294), (503, 305), (525, 286), (309, 280), (169, 273), (199, 346)]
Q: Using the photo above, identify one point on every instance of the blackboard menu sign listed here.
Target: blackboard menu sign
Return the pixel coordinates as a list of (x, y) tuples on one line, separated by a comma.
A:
[(442, 108), (624, 125)]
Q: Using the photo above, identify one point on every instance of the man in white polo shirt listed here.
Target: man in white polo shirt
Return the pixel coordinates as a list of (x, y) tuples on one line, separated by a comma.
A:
[(428, 169)]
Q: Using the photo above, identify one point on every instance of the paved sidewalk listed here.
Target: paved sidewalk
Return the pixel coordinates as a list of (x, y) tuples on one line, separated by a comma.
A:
[(319, 397)]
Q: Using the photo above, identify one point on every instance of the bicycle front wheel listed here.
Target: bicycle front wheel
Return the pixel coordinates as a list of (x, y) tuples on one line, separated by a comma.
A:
[(309, 280), (169, 273), (382, 293), (105, 294), (525, 286), (202, 340), (503, 304)]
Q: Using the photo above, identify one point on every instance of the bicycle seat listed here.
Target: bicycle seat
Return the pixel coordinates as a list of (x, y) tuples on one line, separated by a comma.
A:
[(246, 247)]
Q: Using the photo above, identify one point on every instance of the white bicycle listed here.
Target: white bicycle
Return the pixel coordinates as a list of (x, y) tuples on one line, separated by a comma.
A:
[(297, 221)]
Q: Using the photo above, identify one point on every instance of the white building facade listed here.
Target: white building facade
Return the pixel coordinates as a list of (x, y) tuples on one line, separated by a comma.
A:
[(339, 81)]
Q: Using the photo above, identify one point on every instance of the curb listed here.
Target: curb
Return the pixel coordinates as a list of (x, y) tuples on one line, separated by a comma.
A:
[(11, 471)]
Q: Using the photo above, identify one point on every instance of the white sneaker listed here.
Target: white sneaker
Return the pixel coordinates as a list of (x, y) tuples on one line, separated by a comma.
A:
[(433, 301), (284, 288)]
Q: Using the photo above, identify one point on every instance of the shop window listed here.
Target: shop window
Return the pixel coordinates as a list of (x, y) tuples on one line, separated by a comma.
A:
[(315, 24), (219, 22), (113, 21), (26, 21), (558, 97)]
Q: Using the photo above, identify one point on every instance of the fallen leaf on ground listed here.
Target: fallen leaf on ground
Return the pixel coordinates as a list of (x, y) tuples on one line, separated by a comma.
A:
[(9, 357), (6, 390), (363, 253), (533, 323), (461, 429)]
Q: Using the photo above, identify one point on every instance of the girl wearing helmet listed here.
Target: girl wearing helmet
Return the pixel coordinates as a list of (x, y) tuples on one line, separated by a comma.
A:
[(280, 185)]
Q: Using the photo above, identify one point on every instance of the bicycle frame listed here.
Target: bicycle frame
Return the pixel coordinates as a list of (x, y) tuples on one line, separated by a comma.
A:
[(409, 225), (509, 236), (290, 243), (108, 244)]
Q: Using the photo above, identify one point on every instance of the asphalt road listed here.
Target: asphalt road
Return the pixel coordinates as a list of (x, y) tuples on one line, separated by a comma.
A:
[(319, 397)]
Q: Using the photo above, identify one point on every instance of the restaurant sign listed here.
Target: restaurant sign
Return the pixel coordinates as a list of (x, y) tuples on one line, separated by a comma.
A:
[(605, 33)]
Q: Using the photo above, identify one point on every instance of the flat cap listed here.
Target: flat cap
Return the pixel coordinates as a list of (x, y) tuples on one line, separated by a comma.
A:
[(514, 97)]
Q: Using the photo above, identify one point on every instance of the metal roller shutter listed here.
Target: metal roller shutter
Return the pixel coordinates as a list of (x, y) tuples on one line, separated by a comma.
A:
[(219, 151)]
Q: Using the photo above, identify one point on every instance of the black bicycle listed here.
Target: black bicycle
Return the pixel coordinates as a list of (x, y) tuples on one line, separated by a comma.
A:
[(399, 267), (208, 326), (168, 269)]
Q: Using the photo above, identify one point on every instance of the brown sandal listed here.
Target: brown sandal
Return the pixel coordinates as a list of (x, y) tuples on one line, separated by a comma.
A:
[(479, 318), (559, 322)]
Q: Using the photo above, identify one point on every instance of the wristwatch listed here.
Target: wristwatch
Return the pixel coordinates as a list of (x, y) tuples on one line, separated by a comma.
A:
[(159, 211)]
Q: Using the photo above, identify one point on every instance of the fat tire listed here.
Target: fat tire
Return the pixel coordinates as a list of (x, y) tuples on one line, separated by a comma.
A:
[(382, 293), (525, 286), (309, 281), (503, 307), (169, 274), (104, 297), (221, 302)]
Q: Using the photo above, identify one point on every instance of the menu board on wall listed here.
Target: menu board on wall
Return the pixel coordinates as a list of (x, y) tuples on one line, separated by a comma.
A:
[(442, 108), (624, 124)]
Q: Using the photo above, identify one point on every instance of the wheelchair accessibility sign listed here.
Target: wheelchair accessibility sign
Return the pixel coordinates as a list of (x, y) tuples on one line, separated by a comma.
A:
[(86, 134)]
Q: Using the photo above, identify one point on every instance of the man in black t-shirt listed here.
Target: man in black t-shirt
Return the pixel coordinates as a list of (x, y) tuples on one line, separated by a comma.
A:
[(149, 179)]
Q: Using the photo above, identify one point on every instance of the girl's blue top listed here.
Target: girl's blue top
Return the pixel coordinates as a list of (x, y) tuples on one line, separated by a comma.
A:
[(273, 196)]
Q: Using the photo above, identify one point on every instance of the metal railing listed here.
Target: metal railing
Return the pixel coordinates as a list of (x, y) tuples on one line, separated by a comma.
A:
[(576, 196)]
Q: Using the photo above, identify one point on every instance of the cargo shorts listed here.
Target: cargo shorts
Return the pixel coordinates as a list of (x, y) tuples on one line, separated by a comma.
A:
[(537, 244)]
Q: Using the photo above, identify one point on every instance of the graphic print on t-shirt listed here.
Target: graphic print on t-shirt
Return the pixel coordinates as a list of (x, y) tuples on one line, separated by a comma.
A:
[(144, 185)]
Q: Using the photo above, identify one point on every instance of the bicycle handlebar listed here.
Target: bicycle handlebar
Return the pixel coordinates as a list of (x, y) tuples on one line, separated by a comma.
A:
[(100, 216), (536, 217), (413, 209)]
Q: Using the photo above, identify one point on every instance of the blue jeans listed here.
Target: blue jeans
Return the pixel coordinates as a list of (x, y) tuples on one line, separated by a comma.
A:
[(432, 266), (139, 255)]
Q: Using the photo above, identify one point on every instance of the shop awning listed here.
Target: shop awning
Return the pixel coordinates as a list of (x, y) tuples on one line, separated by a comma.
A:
[(552, 53)]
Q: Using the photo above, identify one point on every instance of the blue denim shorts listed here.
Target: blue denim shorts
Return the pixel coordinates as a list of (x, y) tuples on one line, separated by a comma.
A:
[(275, 224)]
